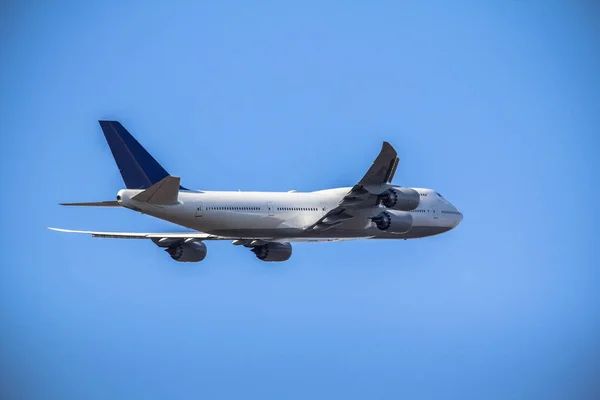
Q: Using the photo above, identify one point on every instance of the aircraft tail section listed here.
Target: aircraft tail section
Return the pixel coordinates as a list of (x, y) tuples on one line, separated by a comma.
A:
[(138, 168)]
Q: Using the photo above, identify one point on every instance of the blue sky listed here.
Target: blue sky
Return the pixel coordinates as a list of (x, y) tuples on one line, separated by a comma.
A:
[(496, 107)]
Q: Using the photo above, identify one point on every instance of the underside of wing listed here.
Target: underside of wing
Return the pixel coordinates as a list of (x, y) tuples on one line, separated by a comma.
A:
[(383, 168), (190, 246), (145, 235), (365, 193), (169, 237)]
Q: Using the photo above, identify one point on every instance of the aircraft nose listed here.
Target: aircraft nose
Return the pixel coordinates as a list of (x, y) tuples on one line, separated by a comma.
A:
[(459, 217)]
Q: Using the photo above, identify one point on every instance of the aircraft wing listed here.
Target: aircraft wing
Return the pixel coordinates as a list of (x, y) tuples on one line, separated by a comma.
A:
[(147, 235), (167, 238), (383, 168), (363, 194)]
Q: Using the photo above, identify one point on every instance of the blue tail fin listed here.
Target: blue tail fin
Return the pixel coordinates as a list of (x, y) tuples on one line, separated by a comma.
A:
[(138, 168)]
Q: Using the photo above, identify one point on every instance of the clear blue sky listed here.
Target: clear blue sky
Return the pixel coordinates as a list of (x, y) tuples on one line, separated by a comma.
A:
[(496, 107)]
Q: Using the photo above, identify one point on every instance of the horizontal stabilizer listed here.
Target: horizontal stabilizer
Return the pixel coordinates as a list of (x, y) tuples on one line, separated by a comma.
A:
[(164, 192), (109, 203)]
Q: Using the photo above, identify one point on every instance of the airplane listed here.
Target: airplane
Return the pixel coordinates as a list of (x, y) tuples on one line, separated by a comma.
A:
[(268, 222)]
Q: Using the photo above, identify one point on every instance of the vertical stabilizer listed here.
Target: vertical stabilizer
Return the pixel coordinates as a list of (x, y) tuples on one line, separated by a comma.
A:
[(138, 168)]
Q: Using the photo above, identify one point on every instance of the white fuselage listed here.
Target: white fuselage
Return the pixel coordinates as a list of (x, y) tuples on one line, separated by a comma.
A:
[(287, 214)]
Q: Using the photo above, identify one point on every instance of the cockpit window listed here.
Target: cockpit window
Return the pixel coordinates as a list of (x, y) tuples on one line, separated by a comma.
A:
[(440, 195)]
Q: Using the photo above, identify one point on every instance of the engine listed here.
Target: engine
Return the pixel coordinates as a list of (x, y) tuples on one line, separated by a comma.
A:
[(187, 251), (273, 251), (400, 198), (393, 221)]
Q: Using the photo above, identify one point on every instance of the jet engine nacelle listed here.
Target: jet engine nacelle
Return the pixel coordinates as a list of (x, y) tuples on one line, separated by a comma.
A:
[(187, 251), (400, 198), (273, 251), (393, 221)]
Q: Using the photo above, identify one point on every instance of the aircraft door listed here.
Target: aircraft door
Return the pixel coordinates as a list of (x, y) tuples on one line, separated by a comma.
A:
[(435, 211), (271, 209), (198, 212)]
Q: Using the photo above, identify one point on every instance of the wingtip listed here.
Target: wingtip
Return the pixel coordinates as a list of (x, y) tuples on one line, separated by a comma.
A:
[(387, 147), (65, 230)]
